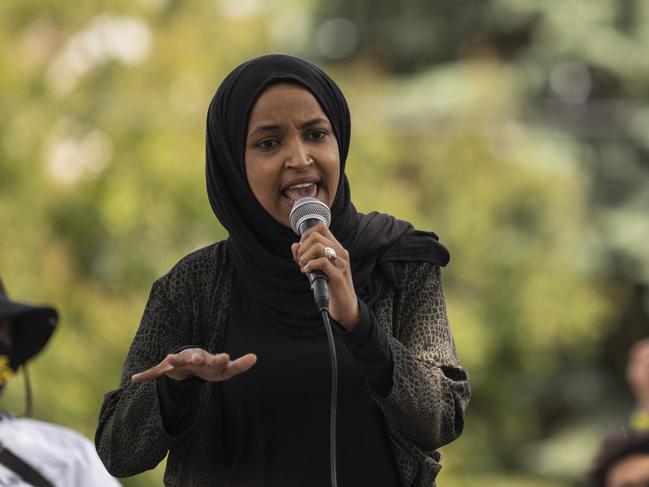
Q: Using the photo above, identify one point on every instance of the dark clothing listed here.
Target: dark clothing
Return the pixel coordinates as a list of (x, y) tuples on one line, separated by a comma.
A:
[(423, 410), (395, 271), (276, 416)]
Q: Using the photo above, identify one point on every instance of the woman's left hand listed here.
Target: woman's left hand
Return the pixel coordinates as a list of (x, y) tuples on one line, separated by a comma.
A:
[(309, 254)]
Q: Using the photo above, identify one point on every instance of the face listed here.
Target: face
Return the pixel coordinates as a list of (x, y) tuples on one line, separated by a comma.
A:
[(291, 150), (630, 472)]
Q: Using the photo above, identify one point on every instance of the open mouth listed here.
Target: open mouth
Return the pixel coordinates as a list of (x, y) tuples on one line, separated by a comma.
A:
[(302, 190)]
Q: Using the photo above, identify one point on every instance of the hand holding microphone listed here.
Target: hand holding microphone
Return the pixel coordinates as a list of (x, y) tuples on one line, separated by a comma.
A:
[(310, 219)]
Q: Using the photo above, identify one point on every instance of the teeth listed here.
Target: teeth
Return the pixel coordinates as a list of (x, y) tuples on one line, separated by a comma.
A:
[(303, 185)]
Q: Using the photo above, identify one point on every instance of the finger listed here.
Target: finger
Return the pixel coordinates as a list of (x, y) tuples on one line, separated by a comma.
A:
[(219, 360), (294, 250), (326, 233), (319, 229), (314, 229), (315, 247), (333, 270), (183, 358), (152, 373), (186, 357), (238, 366), (320, 242), (197, 359), (315, 237), (311, 252)]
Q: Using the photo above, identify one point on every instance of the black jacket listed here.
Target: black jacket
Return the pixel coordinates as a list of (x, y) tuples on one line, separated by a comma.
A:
[(189, 305)]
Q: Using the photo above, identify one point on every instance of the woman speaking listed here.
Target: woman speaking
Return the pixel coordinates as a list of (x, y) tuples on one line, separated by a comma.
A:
[(229, 371)]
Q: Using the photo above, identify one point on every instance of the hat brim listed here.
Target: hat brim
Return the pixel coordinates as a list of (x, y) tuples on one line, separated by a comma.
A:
[(32, 327)]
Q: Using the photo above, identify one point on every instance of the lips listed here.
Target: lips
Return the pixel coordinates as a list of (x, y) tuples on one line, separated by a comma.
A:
[(301, 190)]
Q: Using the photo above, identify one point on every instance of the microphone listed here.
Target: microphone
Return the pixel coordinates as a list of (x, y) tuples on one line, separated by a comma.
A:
[(306, 213)]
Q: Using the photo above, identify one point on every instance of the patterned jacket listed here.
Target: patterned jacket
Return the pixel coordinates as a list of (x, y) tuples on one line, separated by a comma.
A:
[(423, 411)]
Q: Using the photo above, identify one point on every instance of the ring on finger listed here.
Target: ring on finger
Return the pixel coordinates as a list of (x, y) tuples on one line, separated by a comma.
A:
[(330, 253)]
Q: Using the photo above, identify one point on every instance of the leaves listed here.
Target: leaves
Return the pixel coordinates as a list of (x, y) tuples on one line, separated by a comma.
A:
[(507, 127)]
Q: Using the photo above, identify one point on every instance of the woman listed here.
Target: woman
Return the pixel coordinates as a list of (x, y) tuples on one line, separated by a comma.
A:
[(244, 398)]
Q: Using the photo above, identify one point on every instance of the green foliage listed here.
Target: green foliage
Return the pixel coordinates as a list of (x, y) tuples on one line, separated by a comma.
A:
[(102, 189)]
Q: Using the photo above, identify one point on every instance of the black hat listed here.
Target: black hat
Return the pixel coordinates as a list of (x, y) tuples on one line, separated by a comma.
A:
[(32, 327)]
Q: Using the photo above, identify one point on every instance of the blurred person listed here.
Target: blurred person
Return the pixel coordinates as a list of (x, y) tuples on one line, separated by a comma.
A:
[(34, 452), (638, 377), (623, 461), (278, 130)]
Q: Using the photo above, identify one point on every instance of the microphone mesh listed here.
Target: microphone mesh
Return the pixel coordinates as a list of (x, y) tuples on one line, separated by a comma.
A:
[(307, 208)]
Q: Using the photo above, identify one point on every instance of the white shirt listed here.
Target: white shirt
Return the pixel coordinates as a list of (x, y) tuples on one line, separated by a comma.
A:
[(61, 455)]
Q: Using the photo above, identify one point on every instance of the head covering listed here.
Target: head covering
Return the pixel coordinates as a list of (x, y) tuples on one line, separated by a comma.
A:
[(31, 326), (259, 245)]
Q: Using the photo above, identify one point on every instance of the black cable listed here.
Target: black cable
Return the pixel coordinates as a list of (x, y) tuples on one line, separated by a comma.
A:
[(334, 398), (29, 406)]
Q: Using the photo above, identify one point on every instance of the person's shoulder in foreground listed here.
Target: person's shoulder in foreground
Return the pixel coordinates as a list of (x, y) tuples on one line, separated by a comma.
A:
[(33, 450), (622, 461), (57, 452)]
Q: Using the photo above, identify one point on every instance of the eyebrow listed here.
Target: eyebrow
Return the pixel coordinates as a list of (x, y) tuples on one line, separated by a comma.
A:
[(274, 126)]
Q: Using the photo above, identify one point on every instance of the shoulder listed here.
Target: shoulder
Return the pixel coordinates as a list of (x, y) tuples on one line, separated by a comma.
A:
[(46, 433), (57, 452), (421, 290), (417, 290), (414, 274), (421, 269), (197, 271)]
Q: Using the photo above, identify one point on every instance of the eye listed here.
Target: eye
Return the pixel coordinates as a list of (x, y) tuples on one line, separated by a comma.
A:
[(317, 134), (267, 143)]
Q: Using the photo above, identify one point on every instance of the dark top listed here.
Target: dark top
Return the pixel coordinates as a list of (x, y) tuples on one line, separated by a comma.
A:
[(276, 415), (191, 305)]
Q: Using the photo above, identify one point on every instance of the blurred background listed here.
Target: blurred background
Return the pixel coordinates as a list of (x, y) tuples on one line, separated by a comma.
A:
[(517, 130)]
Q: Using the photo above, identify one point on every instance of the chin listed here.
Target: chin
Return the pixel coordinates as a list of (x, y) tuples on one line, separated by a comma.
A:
[(323, 196)]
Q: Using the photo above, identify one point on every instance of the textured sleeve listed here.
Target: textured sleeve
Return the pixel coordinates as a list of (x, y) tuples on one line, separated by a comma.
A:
[(430, 390), (369, 345), (131, 437)]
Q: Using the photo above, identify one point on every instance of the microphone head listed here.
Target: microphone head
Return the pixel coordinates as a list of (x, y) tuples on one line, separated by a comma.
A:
[(308, 209)]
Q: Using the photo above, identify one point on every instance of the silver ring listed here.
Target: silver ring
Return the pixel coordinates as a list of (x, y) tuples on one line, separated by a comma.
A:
[(330, 253)]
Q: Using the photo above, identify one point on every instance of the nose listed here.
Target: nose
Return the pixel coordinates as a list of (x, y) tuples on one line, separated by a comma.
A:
[(297, 156)]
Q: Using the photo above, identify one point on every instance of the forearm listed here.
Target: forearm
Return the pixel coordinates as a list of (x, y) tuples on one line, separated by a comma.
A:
[(430, 390), (427, 400), (130, 436)]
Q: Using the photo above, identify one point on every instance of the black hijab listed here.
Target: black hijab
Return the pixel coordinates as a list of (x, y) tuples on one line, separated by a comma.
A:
[(258, 244)]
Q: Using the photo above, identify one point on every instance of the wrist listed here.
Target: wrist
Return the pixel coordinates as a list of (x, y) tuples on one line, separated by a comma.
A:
[(178, 376), (350, 322)]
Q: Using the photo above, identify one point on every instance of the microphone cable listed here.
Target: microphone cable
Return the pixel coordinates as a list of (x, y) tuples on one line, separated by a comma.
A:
[(306, 213), (334, 398), (29, 403)]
